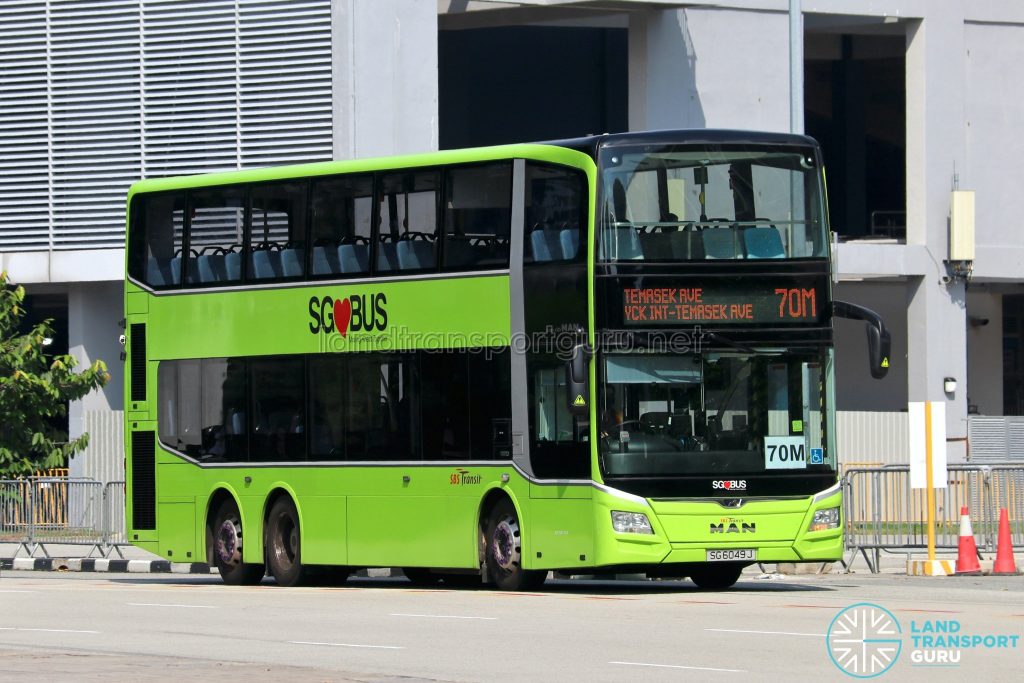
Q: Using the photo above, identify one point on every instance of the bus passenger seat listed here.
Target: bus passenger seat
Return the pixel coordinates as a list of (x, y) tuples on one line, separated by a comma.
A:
[(233, 266), (291, 262), (264, 265), (570, 239), (657, 246), (325, 260), (720, 243), (415, 255), (763, 242), (353, 258), (686, 245), (545, 243), (155, 272), (624, 243), (387, 259), (173, 271), (207, 272)]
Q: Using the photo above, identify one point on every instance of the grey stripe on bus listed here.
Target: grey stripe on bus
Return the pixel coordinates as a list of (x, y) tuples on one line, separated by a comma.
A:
[(517, 323)]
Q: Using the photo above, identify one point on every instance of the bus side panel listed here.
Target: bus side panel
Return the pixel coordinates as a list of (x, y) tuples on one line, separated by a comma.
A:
[(560, 530), (177, 523), (323, 521), (414, 531), (411, 516)]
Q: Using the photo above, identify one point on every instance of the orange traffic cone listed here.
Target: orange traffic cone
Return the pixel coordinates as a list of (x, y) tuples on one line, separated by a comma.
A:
[(967, 552), (1004, 563)]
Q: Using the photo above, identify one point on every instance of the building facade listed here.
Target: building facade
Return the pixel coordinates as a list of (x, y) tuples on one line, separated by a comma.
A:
[(910, 99)]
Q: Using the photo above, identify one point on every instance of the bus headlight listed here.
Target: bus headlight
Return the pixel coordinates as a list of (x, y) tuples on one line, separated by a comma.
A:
[(824, 519), (631, 523)]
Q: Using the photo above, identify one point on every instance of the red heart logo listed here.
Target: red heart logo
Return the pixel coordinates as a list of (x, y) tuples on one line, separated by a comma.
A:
[(342, 315)]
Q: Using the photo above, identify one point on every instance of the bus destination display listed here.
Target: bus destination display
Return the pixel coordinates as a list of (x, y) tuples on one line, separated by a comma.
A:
[(762, 303)]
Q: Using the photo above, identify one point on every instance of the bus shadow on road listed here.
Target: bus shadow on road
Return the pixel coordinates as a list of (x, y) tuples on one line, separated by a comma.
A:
[(609, 588)]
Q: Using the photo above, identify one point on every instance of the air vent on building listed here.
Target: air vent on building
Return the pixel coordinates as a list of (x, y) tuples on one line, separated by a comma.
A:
[(95, 95)]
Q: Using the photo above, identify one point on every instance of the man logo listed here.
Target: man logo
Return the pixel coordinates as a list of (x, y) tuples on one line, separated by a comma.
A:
[(864, 640), (733, 528)]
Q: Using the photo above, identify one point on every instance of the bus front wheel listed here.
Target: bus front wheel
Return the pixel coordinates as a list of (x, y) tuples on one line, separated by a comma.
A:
[(716, 577), (224, 538), (284, 551), (504, 551)]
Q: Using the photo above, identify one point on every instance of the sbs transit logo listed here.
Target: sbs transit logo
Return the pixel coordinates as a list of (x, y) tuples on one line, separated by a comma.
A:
[(729, 484), (355, 313)]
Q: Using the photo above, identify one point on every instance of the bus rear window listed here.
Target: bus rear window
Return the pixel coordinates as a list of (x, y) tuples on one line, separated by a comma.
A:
[(156, 239)]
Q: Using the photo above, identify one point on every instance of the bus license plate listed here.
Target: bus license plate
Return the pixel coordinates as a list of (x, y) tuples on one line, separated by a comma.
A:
[(732, 555)]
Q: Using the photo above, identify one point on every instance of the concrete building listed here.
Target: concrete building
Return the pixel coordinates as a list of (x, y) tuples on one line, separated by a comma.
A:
[(911, 99)]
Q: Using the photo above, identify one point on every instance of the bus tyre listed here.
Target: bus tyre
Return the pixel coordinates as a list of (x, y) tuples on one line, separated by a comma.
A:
[(284, 552), (716, 577), (504, 551), (224, 539)]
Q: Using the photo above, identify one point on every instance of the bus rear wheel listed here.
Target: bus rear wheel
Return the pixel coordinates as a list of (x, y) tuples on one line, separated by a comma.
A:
[(284, 549), (504, 551), (716, 577), (224, 539)]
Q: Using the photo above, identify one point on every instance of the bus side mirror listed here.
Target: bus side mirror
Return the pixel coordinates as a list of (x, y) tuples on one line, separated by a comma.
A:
[(577, 390), (879, 339), (879, 345)]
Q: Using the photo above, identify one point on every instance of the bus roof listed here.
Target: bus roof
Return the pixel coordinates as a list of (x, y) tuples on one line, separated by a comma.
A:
[(573, 151)]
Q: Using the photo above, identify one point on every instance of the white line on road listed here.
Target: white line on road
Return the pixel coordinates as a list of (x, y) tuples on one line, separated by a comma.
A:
[(375, 647), (13, 591), (45, 630), (159, 604), (442, 616), (767, 633), (679, 666)]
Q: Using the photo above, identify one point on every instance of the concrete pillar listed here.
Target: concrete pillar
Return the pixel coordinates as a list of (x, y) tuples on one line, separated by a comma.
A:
[(985, 351), (936, 146), (686, 67), (385, 77), (94, 312)]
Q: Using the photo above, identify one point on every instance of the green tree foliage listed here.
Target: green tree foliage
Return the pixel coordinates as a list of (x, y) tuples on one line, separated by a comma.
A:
[(34, 389)]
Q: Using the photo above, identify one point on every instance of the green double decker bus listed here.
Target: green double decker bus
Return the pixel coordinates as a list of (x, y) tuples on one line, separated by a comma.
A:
[(599, 355)]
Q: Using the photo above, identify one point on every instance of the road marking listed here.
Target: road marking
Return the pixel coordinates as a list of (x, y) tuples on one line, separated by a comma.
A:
[(767, 633), (160, 604), (441, 616), (679, 666), (376, 647), (14, 591), (45, 630)]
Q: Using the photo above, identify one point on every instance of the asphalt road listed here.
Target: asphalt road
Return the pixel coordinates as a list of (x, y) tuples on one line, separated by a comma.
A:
[(64, 626)]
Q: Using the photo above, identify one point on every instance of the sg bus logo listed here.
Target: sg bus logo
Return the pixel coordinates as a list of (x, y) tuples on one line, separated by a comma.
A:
[(355, 313)]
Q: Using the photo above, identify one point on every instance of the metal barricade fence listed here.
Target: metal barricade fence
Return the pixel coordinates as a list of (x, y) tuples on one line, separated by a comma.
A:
[(884, 514), (15, 511), (40, 511), (116, 533)]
